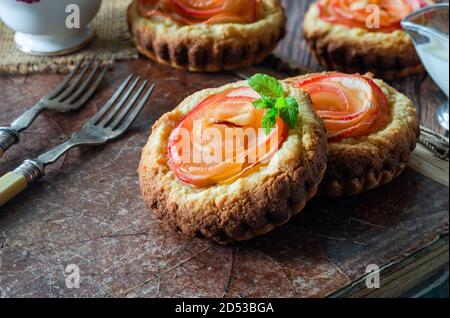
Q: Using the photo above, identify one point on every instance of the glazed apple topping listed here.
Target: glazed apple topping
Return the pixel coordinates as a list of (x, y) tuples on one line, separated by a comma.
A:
[(222, 139), (229, 135), (202, 11), (350, 105), (361, 13)]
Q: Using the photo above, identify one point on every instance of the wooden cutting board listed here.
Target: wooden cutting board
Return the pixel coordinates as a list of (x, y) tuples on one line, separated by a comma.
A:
[(88, 211)]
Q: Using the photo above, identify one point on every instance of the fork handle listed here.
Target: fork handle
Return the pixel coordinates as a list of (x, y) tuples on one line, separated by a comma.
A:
[(8, 137), (11, 135), (28, 117), (13, 183)]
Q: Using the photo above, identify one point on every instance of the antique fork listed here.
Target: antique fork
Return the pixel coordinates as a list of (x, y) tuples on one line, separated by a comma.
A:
[(110, 122), (72, 93)]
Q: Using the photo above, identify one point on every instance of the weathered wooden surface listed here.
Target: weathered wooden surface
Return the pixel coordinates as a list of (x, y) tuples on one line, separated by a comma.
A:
[(87, 210)]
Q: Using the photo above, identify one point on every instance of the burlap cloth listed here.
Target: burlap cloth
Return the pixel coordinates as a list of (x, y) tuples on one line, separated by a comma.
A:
[(112, 42)]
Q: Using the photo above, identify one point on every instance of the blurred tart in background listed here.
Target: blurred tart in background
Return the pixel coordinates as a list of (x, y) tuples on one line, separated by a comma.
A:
[(372, 130), (207, 36), (363, 36)]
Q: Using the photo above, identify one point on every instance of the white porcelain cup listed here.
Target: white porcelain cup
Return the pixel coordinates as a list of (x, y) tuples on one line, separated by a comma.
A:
[(50, 27)]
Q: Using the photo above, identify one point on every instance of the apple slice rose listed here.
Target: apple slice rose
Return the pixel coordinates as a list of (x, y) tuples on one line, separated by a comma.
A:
[(201, 11), (229, 134), (231, 109), (350, 105), (356, 13)]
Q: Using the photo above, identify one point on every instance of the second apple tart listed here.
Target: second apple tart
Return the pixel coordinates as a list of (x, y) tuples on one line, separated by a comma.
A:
[(206, 36)]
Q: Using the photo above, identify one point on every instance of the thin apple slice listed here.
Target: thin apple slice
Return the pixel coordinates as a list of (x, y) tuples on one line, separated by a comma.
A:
[(356, 14), (228, 114), (350, 105)]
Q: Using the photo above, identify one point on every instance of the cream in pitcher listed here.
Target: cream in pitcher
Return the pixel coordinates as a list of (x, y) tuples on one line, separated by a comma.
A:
[(429, 31), (434, 55)]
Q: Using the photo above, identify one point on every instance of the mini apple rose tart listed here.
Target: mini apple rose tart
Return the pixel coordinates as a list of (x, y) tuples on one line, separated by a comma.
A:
[(363, 36), (208, 36), (372, 130), (234, 162)]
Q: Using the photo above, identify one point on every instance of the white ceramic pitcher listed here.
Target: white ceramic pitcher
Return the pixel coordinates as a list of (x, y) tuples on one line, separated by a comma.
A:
[(50, 27), (428, 29)]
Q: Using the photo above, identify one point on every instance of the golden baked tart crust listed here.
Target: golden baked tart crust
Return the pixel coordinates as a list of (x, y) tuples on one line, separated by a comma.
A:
[(352, 50), (359, 164), (252, 205), (205, 47)]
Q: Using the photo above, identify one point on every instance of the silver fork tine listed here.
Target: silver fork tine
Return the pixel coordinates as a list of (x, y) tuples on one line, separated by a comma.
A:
[(63, 84), (133, 115), (83, 86), (71, 93), (127, 108), (111, 101), (69, 90), (92, 89), (122, 102)]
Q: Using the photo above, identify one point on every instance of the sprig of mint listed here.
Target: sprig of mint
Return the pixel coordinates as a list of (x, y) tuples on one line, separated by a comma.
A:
[(274, 99)]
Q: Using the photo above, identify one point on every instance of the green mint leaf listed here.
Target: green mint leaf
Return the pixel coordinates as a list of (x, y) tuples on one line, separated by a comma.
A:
[(260, 104), (272, 98), (266, 85), (264, 102), (289, 114), (280, 103), (270, 119), (270, 101)]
